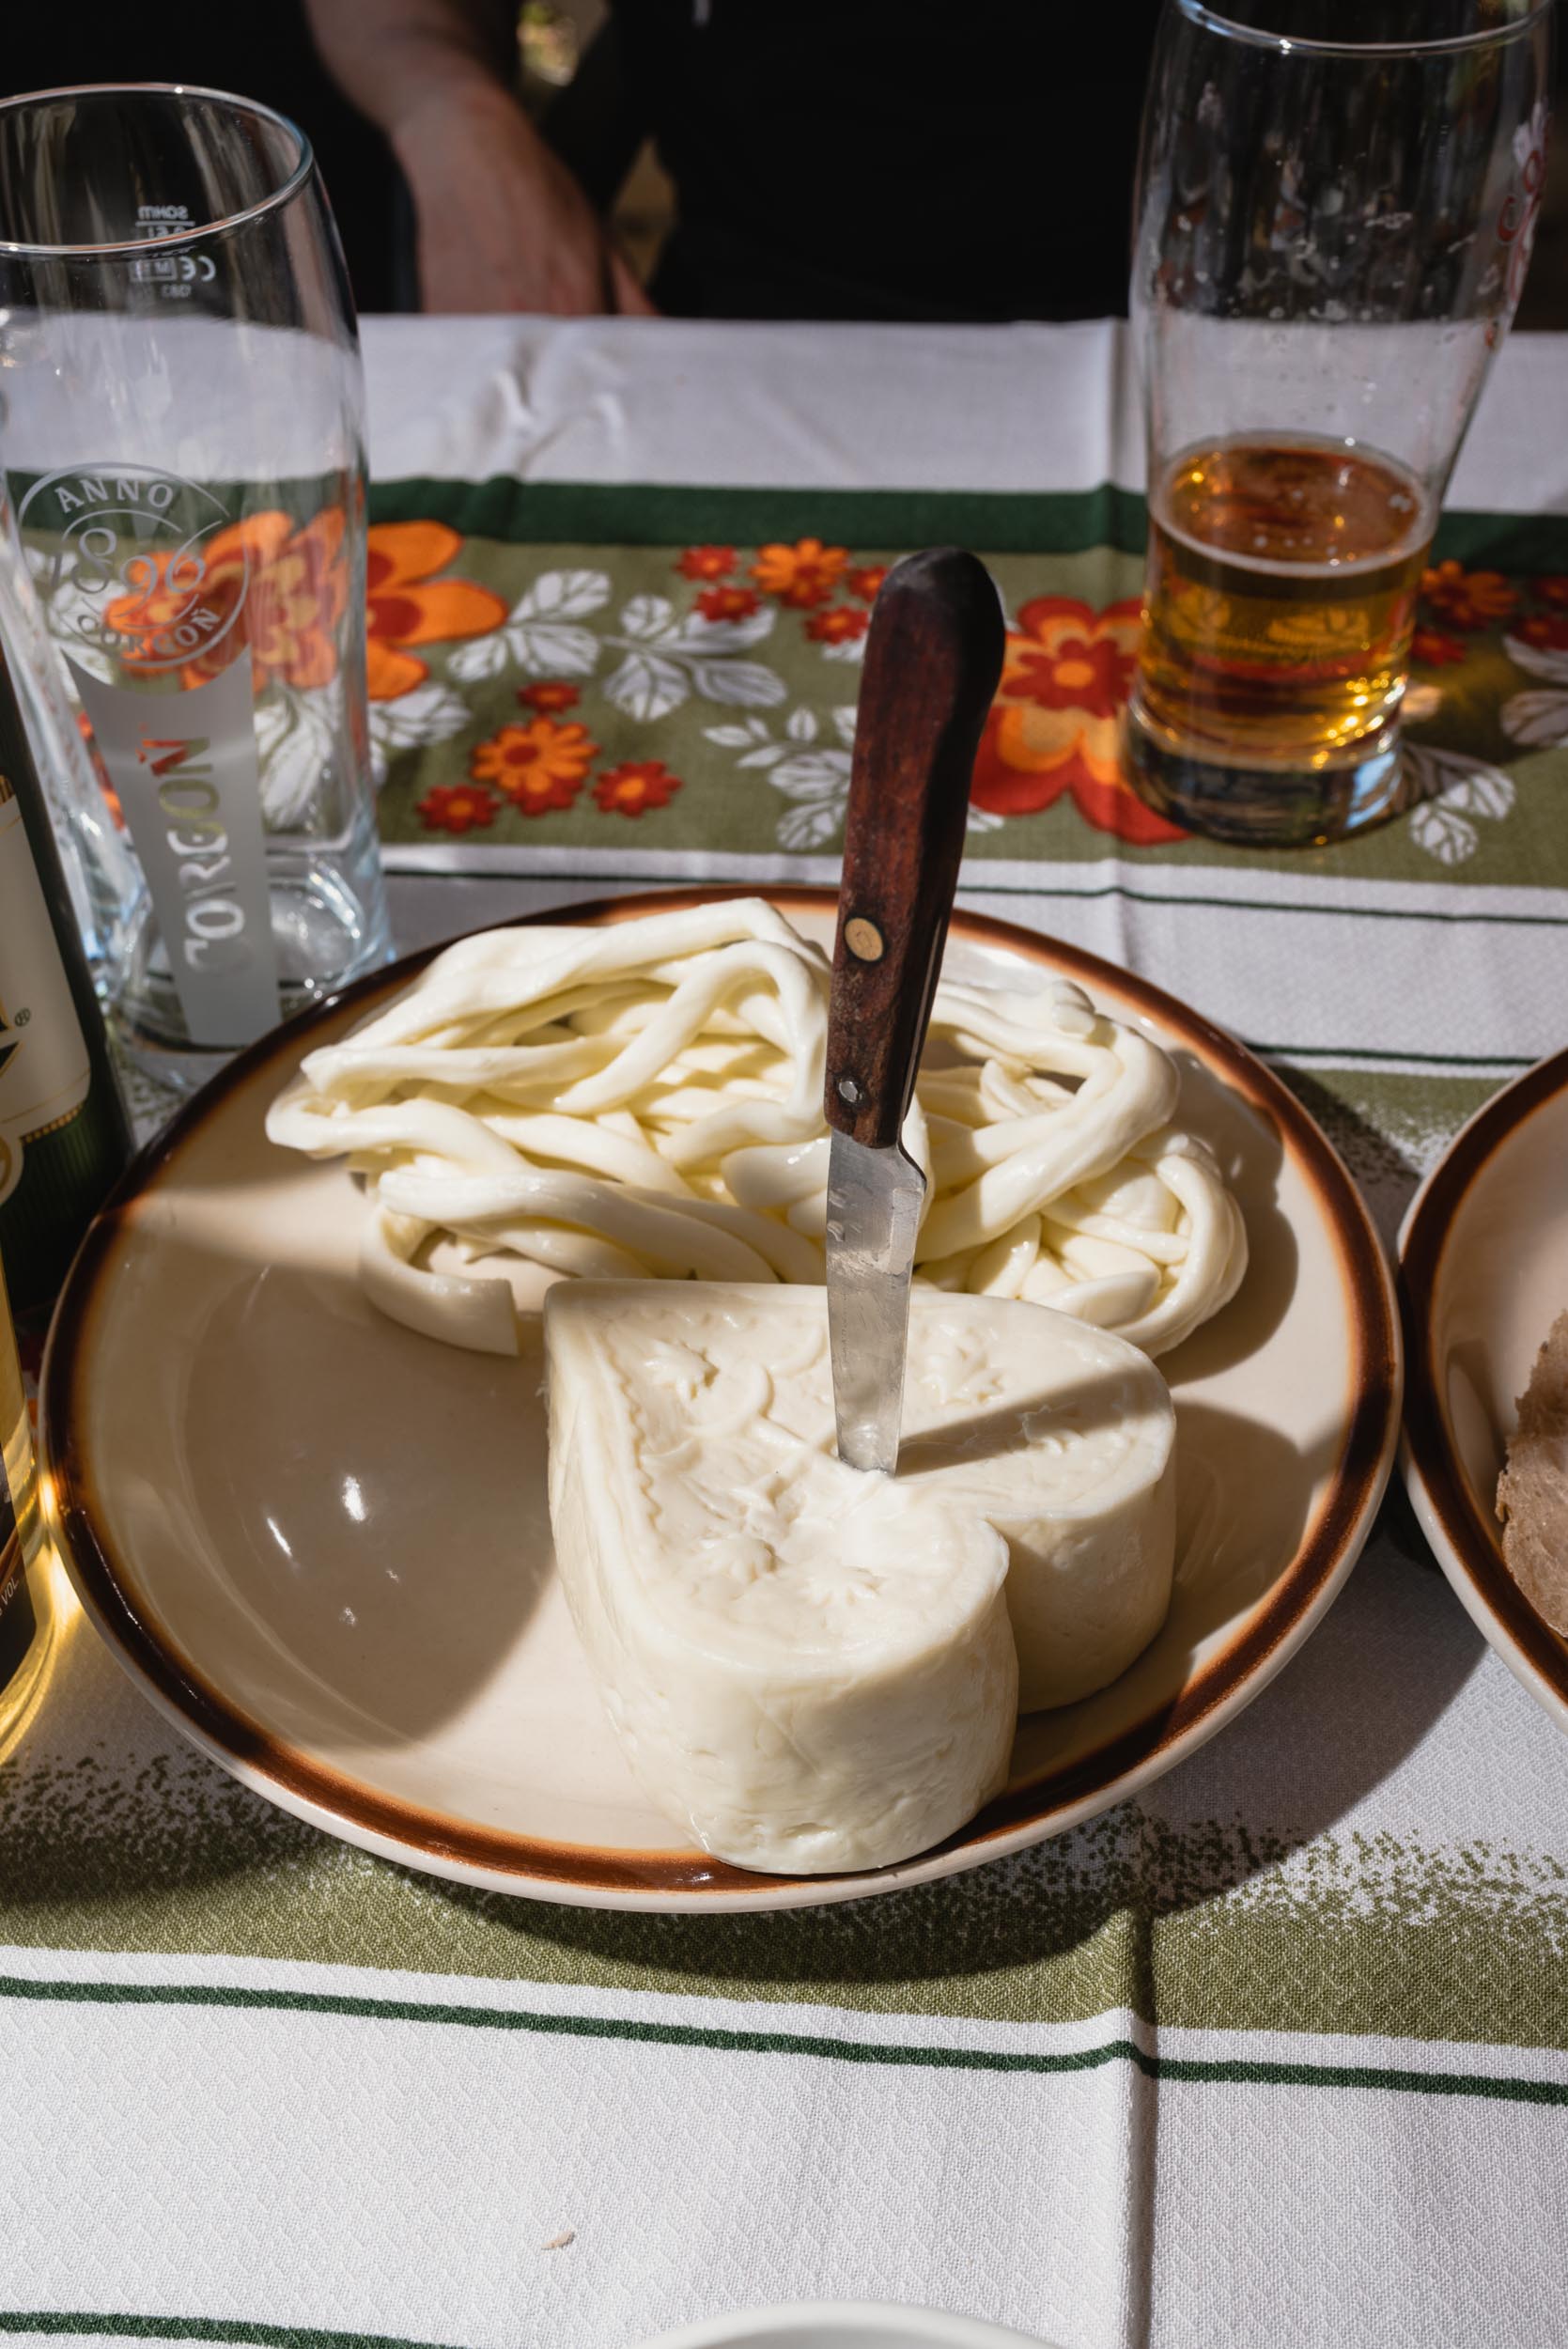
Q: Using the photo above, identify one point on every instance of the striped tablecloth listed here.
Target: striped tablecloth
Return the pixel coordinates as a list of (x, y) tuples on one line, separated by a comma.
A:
[(1277, 2054)]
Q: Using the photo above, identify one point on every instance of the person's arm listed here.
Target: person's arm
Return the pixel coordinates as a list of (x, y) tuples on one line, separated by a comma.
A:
[(501, 222)]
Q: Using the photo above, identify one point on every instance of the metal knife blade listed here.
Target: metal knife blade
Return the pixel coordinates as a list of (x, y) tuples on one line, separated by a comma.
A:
[(874, 1203), (931, 662)]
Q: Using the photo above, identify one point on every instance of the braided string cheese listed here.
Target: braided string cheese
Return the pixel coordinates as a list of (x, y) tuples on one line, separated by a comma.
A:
[(644, 1099)]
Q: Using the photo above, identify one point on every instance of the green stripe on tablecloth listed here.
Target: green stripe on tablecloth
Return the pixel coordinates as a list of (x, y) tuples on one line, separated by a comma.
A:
[(1236, 2072), (1206, 1924), (98, 2324), (1339, 1052), (678, 514), (1066, 521), (604, 880)]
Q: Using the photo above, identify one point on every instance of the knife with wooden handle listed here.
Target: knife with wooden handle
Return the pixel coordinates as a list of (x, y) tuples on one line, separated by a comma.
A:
[(932, 662)]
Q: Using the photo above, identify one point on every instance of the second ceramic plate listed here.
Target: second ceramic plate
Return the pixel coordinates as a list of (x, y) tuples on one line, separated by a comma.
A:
[(1484, 1266), (321, 1542)]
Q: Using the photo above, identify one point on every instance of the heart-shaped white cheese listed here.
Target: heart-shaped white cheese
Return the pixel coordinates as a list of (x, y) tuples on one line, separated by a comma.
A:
[(811, 1669)]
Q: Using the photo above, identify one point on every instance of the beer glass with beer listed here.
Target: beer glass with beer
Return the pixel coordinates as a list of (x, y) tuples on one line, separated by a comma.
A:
[(1334, 221)]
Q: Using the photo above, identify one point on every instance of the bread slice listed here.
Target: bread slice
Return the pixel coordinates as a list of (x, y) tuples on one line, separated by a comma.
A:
[(1532, 1490)]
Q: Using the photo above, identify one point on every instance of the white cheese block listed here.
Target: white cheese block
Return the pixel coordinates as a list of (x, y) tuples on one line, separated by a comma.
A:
[(810, 1669)]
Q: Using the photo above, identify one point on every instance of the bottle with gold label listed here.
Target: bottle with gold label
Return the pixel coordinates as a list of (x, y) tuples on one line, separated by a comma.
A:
[(27, 1623), (63, 1130)]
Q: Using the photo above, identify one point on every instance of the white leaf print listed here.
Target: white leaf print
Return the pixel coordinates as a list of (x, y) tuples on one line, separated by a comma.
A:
[(486, 656), (746, 682), (700, 634), (550, 648), (853, 649), (981, 819), (844, 718), (1488, 791), (294, 742), (645, 686), (431, 713), (730, 738), (565, 596), (1463, 784), (801, 725), (647, 616), (736, 636), (553, 647), (1538, 659), (764, 755), (757, 728), (1442, 832), (812, 774), (809, 827), (1540, 720)]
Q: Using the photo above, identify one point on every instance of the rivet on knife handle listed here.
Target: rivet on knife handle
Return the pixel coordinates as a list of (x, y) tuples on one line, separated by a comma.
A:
[(932, 662)]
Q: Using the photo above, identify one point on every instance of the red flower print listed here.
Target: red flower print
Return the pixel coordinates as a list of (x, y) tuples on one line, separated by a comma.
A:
[(804, 574), (728, 603), (1553, 590), (839, 626), (866, 581), (707, 563), (1052, 730), (456, 807), (1547, 629), (1467, 599), (1434, 650), (1074, 673), (554, 696), (536, 767), (633, 789)]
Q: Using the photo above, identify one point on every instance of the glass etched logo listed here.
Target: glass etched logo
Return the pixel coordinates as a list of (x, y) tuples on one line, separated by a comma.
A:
[(125, 569)]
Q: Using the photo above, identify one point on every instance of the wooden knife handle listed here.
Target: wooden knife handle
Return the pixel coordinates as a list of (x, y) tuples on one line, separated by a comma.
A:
[(933, 658)]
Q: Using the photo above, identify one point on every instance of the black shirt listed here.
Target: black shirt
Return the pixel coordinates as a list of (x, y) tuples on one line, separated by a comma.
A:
[(893, 159)]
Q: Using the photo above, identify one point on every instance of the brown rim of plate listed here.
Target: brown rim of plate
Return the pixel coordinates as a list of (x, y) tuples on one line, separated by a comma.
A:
[(1475, 1538), (532, 1863)]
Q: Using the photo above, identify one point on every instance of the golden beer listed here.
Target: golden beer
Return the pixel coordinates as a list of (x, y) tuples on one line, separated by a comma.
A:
[(26, 1619), (1280, 603)]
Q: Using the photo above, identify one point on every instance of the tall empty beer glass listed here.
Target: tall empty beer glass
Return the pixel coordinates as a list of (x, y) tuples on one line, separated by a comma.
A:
[(1334, 221), (182, 439)]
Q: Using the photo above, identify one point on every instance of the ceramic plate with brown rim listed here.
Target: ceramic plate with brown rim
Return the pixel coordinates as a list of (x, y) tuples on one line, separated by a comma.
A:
[(1484, 1274), (320, 1542)]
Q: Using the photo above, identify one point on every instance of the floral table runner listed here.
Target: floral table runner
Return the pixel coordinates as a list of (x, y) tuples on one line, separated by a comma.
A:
[(534, 682)]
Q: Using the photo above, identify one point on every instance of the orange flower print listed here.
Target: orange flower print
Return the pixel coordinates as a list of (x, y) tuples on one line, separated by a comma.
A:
[(1552, 590), (406, 604), (1434, 650), (727, 603), (633, 789), (456, 807), (282, 590), (804, 574), (1547, 629), (865, 582), (707, 563), (1052, 730), (536, 767), (1467, 599), (838, 626), (555, 695)]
